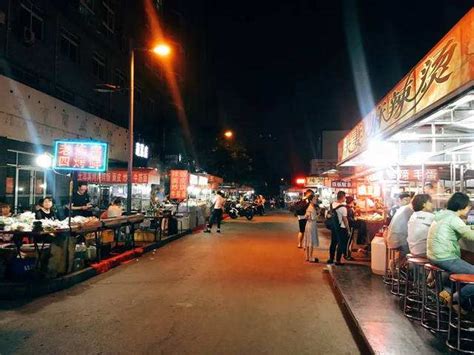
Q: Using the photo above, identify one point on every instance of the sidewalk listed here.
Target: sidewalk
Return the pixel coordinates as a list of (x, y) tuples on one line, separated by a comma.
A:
[(377, 314)]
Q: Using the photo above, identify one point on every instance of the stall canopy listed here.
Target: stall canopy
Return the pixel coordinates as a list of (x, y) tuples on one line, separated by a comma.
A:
[(428, 118)]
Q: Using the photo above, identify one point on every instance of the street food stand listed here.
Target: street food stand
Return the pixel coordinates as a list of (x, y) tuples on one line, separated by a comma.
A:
[(104, 187), (422, 131)]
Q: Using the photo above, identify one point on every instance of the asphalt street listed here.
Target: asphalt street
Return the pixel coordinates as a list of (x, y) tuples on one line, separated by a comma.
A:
[(245, 291)]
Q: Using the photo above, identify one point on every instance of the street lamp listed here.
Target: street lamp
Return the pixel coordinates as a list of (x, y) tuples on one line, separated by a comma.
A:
[(228, 134), (161, 50)]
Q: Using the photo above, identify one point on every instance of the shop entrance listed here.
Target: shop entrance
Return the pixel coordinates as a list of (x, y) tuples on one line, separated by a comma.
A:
[(25, 183)]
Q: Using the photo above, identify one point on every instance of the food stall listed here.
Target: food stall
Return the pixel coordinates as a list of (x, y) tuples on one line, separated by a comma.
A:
[(35, 249), (104, 187), (422, 131)]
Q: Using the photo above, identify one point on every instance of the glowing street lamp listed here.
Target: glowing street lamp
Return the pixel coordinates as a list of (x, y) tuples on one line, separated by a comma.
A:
[(44, 161), (228, 134), (162, 49)]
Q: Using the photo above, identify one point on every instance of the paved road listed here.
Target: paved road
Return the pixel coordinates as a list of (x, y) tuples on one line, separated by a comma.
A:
[(243, 292)]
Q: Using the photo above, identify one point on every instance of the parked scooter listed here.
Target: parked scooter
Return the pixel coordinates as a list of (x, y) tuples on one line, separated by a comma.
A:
[(235, 210)]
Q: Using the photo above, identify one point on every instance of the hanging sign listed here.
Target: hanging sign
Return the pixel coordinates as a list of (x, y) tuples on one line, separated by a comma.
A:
[(445, 69), (179, 181), (341, 184), (80, 156)]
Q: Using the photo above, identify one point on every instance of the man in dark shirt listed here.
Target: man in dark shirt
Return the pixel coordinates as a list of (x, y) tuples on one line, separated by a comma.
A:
[(81, 205)]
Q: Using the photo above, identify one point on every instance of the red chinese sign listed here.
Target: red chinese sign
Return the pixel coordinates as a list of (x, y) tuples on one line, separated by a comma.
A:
[(179, 181), (115, 177), (80, 156)]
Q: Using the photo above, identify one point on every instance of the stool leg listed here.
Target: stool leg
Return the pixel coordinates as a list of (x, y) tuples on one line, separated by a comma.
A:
[(458, 290)]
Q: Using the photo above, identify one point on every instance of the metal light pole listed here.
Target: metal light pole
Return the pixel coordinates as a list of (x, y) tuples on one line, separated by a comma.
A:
[(130, 131), (161, 50)]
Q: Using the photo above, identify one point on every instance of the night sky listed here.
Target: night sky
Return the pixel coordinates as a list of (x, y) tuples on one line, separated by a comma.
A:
[(286, 68)]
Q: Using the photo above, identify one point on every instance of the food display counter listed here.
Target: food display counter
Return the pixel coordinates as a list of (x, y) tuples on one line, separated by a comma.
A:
[(47, 248)]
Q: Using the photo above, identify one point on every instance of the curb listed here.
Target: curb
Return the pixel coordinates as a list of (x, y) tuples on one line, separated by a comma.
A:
[(33, 289)]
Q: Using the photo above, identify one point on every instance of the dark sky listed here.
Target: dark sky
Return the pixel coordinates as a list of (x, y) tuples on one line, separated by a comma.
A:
[(286, 68)]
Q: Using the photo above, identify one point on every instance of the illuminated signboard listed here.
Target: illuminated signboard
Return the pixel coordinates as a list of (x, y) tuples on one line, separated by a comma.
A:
[(80, 155), (179, 180)]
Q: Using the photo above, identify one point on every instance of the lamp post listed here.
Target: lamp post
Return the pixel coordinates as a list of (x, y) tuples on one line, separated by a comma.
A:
[(161, 50)]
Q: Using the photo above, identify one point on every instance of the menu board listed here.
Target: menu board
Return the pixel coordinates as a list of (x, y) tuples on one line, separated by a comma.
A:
[(341, 184), (179, 181), (80, 156)]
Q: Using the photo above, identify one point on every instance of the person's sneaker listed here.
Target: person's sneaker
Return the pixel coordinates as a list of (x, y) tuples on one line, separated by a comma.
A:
[(330, 261), (207, 231), (218, 231)]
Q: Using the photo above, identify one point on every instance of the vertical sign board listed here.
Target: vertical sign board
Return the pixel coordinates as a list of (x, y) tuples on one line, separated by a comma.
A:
[(90, 156), (179, 181)]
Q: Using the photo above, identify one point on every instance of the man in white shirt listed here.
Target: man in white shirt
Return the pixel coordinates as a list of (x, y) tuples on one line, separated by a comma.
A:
[(397, 232), (216, 215), (340, 233), (419, 224)]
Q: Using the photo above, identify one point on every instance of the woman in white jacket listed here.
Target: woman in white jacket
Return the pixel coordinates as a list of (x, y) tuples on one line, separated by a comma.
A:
[(419, 224)]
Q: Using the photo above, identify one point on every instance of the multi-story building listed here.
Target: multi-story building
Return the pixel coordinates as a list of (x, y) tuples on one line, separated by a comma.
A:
[(54, 54)]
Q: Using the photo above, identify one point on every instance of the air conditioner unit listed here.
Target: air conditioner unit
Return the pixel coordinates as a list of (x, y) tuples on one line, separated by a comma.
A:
[(28, 36)]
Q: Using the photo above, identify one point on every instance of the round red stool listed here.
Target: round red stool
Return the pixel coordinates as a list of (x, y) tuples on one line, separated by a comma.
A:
[(460, 330)]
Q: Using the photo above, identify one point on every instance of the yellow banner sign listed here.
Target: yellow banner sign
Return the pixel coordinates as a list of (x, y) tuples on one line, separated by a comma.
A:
[(446, 68)]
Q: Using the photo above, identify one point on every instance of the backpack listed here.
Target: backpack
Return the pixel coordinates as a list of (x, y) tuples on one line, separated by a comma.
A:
[(299, 208), (332, 221)]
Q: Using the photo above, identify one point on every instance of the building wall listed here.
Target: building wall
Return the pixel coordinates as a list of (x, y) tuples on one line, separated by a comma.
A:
[(45, 64)]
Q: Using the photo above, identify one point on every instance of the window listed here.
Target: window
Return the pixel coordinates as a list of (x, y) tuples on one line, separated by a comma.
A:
[(119, 78), (138, 93), (98, 66), (152, 106), (69, 46), (30, 24), (158, 4), (87, 6), (109, 16)]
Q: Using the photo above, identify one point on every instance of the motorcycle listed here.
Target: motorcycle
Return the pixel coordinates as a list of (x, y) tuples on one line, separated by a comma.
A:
[(235, 210)]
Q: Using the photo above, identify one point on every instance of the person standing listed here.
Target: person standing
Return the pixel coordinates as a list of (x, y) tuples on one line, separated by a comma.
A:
[(310, 237), (352, 226), (340, 231), (300, 212), (216, 215), (81, 202)]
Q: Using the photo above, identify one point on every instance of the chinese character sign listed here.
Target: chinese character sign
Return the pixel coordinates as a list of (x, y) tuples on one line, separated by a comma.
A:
[(179, 181), (80, 156), (115, 177)]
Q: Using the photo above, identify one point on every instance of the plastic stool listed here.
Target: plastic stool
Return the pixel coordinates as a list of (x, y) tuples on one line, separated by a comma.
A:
[(434, 315), (412, 306), (462, 330)]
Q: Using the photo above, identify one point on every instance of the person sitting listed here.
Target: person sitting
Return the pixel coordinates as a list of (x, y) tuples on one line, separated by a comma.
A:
[(443, 247), (6, 210), (45, 210), (419, 224), (397, 232), (114, 210)]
